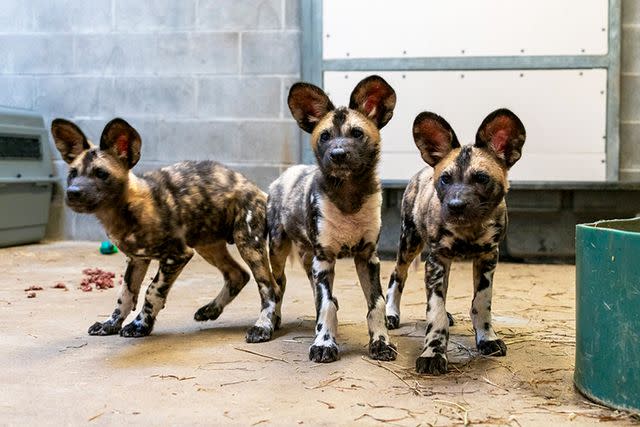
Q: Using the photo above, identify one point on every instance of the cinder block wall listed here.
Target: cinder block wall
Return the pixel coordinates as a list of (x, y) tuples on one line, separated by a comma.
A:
[(199, 79), (630, 92)]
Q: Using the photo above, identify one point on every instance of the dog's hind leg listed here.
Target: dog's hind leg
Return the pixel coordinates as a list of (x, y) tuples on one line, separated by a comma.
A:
[(235, 278), (249, 235), (368, 268), (127, 298), (409, 248), (156, 295), (279, 249)]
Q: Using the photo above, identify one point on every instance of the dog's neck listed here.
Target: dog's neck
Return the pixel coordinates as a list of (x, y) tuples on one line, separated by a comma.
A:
[(349, 194), (118, 218)]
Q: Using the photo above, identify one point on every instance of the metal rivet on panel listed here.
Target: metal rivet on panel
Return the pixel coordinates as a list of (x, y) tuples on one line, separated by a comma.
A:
[(404, 52), (580, 73), (404, 76), (582, 50), (604, 29), (521, 74), (462, 76), (347, 53), (346, 76), (601, 92), (521, 50), (328, 35), (462, 51)]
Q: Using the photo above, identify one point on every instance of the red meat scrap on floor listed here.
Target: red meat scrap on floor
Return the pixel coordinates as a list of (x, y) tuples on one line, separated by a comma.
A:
[(98, 278)]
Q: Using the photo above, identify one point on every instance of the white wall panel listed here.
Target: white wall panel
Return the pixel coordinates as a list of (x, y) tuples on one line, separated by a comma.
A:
[(564, 112), (432, 28)]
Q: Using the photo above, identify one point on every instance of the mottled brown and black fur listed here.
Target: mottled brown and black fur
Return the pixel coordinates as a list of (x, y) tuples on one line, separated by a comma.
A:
[(332, 210), (164, 215), (456, 209)]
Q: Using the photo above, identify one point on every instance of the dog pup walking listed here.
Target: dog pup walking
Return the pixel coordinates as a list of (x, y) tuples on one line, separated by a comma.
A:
[(332, 210), (456, 209), (164, 215)]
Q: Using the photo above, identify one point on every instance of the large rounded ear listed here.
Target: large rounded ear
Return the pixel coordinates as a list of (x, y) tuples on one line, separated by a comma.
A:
[(434, 137), (308, 104), (502, 133), (122, 141), (69, 139), (374, 98)]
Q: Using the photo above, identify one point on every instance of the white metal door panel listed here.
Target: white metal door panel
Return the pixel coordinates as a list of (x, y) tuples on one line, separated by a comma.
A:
[(453, 28), (564, 112)]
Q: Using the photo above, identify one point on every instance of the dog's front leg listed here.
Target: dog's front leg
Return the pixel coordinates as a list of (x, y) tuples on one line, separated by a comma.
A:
[(324, 348), (368, 268), (433, 359), (154, 300), (127, 298), (410, 246), (486, 340)]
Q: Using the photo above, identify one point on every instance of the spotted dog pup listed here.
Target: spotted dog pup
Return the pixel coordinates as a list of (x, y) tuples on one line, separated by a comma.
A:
[(332, 210), (456, 209), (164, 215)]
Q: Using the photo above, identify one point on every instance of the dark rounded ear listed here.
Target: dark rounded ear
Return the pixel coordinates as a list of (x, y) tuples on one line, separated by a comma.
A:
[(434, 137), (502, 133), (374, 98), (122, 141), (308, 104), (69, 139)]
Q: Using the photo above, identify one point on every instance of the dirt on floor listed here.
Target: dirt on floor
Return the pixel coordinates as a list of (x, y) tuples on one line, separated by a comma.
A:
[(194, 373)]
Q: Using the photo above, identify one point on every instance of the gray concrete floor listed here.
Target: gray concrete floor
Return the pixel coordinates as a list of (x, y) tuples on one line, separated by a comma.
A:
[(186, 372)]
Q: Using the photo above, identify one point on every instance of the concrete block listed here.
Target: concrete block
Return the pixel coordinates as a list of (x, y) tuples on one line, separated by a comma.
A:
[(239, 15), (292, 14), (26, 54), (261, 175), (116, 54), (268, 142), (64, 96), (75, 16), (630, 12), (17, 91), (16, 16), (271, 53), (630, 93), (629, 143), (249, 97), (154, 96), (141, 15), (157, 54), (197, 53), (287, 82), (630, 50), (196, 140)]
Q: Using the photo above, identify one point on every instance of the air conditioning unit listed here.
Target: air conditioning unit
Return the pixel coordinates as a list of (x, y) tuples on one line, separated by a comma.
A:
[(26, 177)]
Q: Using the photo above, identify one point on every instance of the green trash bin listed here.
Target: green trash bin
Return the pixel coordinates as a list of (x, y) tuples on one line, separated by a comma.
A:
[(608, 312)]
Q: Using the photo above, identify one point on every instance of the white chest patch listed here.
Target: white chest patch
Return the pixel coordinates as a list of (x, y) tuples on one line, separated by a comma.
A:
[(337, 229)]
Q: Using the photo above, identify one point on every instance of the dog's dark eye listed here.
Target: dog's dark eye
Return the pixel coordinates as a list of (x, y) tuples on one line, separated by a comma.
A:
[(101, 174), (480, 178), (73, 173), (325, 136), (446, 179), (356, 133)]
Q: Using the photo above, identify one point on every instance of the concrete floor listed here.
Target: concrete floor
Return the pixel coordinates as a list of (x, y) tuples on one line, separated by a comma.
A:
[(186, 372)]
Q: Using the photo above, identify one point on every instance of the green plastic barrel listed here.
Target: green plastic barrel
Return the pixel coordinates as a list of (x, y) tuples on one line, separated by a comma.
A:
[(608, 312)]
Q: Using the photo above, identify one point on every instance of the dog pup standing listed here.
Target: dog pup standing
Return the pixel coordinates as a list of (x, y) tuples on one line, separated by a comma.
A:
[(163, 215), (332, 210), (456, 209)]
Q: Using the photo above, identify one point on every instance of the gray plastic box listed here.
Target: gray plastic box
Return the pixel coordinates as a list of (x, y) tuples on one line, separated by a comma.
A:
[(26, 177)]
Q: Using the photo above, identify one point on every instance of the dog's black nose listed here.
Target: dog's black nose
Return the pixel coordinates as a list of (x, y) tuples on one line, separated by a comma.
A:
[(338, 154), (74, 194), (456, 206)]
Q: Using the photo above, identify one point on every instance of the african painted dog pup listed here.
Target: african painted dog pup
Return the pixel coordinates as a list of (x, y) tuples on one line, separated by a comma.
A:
[(164, 215), (456, 209), (332, 210)]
